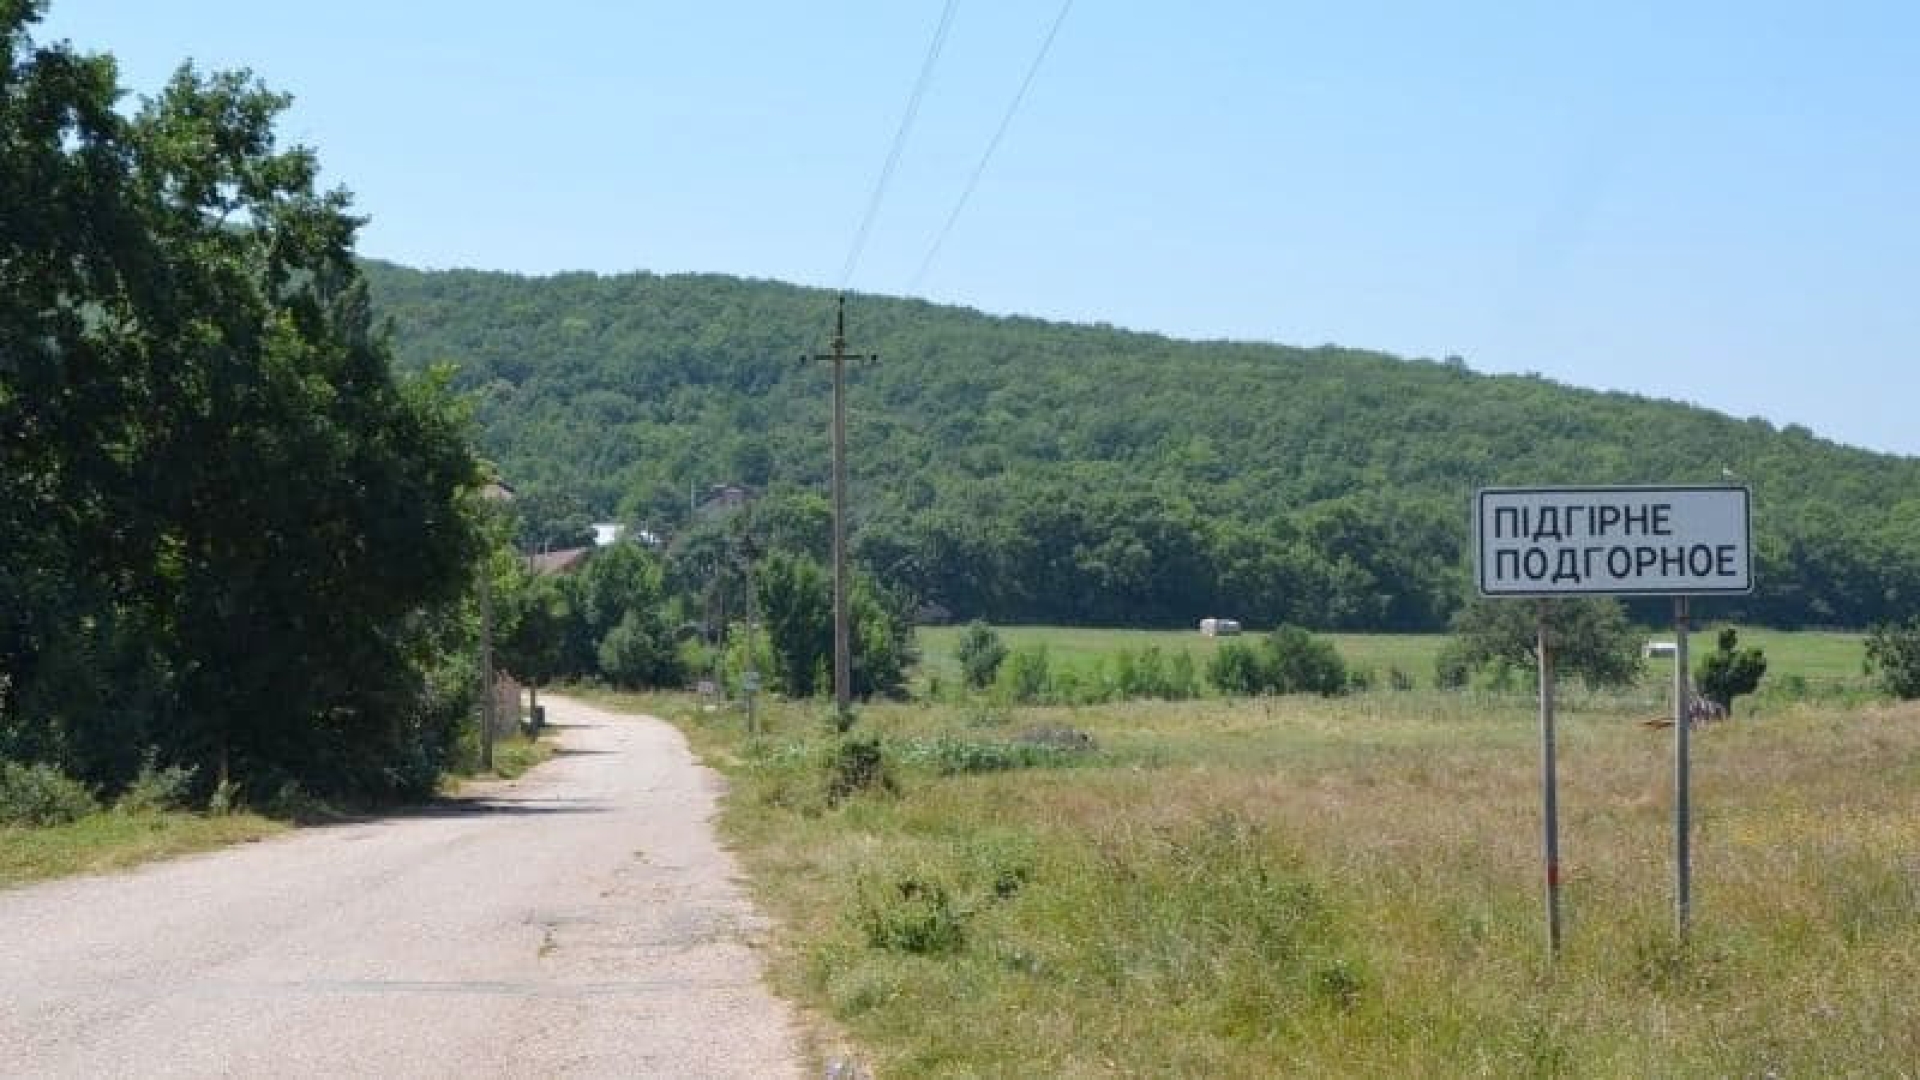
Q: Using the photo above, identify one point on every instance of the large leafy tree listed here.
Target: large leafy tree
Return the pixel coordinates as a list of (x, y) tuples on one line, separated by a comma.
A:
[(795, 595), (208, 475), (1589, 636)]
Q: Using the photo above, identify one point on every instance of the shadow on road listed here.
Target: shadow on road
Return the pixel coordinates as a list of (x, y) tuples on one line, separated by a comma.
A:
[(495, 804)]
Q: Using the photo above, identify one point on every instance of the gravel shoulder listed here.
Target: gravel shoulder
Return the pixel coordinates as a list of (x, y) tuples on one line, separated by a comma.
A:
[(581, 921)]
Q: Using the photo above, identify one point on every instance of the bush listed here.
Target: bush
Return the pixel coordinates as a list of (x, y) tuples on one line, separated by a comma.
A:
[(638, 652), (858, 765), (41, 795), (1452, 666), (1183, 679), (1235, 669), (1305, 664), (170, 788), (913, 914), (981, 653), (1730, 671), (1893, 654), (1151, 674), (1288, 661), (1024, 678)]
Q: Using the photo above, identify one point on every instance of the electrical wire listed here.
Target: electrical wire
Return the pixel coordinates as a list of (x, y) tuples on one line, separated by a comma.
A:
[(899, 142), (992, 145)]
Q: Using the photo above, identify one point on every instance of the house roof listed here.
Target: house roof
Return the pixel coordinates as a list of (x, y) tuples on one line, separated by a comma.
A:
[(558, 562)]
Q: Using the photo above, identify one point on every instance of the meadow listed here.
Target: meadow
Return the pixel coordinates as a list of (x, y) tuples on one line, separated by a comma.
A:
[(1335, 886), (1823, 662)]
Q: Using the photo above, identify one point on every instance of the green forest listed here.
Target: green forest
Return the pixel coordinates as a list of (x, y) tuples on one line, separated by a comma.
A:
[(1024, 471)]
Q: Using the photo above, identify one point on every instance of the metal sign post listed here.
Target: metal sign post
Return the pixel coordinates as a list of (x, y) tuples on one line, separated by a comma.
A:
[(1620, 541), (1682, 817), (1549, 784)]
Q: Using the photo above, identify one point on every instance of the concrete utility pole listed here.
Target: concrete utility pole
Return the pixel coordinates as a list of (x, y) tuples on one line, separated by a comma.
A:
[(842, 648)]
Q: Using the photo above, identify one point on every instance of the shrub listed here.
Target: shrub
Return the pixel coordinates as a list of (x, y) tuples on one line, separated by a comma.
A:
[(1151, 674), (1024, 678), (1730, 671), (981, 653), (858, 765), (1235, 669), (1305, 664), (1893, 654), (41, 795), (157, 789), (1452, 666), (912, 914), (1287, 661), (638, 651), (1183, 680)]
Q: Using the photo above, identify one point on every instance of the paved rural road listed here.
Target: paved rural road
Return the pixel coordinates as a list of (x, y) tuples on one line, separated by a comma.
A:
[(581, 922)]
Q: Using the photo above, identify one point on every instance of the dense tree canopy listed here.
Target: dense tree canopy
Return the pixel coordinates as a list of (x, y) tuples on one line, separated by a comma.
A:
[(231, 535), (1023, 471)]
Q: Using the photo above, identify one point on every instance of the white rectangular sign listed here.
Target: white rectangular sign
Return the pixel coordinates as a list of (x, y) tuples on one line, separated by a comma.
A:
[(1651, 541)]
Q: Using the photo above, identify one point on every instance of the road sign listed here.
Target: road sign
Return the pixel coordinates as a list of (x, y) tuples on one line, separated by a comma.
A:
[(1635, 541), (749, 681)]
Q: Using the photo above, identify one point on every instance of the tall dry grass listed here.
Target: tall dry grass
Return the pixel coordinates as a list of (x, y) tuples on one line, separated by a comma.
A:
[(1348, 887)]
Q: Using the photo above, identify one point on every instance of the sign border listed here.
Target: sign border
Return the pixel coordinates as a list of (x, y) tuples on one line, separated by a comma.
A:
[(1480, 553)]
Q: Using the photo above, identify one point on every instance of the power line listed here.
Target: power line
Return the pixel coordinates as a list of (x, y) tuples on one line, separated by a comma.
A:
[(992, 144), (899, 141)]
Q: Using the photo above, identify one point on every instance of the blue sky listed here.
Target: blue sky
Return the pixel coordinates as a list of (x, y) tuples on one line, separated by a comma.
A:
[(1715, 202)]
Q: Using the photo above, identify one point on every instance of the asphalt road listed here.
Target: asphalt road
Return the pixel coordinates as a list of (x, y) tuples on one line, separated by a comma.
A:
[(580, 922)]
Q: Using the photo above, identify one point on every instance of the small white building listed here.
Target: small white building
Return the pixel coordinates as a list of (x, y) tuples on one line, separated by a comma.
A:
[(607, 533), (1219, 627), (1659, 650)]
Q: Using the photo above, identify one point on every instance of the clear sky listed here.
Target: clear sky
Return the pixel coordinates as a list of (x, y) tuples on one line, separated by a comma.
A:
[(1715, 202)]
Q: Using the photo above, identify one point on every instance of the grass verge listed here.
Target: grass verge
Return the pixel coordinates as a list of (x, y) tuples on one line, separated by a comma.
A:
[(512, 756), (112, 840)]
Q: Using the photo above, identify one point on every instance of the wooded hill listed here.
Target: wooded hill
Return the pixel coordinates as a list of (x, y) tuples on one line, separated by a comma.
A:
[(1028, 471)]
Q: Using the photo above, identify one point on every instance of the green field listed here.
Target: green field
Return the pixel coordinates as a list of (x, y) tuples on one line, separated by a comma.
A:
[(1348, 886), (1826, 660)]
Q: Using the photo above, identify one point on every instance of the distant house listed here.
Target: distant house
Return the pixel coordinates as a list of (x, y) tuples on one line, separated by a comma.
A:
[(607, 533), (1219, 627), (722, 497), (564, 561), (1659, 650)]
